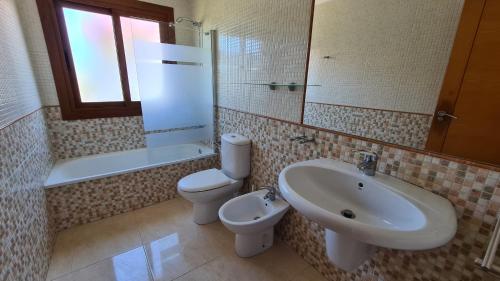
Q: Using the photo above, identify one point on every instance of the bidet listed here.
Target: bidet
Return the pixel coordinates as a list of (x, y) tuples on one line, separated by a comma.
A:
[(252, 218)]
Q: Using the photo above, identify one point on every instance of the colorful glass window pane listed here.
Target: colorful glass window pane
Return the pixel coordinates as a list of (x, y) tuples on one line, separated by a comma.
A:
[(136, 29), (93, 47)]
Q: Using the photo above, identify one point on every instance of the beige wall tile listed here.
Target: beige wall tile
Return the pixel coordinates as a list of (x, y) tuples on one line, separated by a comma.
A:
[(26, 230), (469, 188), (402, 128), (94, 200)]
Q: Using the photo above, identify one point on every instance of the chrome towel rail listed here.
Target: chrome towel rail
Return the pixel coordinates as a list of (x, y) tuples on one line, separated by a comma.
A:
[(487, 261), (274, 85)]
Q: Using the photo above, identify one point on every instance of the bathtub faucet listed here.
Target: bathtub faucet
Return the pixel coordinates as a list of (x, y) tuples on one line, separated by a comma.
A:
[(271, 194)]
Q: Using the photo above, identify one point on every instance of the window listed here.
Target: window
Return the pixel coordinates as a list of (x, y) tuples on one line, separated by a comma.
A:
[(91, 52), (94, 55)]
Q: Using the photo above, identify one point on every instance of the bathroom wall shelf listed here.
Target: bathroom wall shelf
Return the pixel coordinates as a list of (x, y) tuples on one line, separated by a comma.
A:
[(273, 85)]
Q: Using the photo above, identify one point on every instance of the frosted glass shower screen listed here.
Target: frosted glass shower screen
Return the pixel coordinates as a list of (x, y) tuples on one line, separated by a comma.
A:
[(176, 92)]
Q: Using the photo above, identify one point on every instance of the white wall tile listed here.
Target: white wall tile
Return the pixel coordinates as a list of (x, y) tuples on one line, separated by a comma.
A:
[(37, 49), (259, 41), (18, 87), (182, 8), (384, 54)]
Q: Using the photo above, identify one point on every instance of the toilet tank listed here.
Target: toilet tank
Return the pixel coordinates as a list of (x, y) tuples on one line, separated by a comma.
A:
[(235, 155)]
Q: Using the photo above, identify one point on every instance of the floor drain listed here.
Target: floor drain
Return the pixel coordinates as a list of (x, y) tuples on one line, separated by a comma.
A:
[(256, 218), (348, 214)]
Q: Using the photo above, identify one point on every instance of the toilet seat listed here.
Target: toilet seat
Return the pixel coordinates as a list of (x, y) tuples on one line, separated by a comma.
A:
[(204, 181)]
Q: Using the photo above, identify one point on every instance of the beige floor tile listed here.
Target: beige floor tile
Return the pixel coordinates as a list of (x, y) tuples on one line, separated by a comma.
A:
[(229, 268), (309, 274), (104, 239), (276, 264), (60, 263), (163, 219), (180, 252), (87, 244), (129, 266), (67, 277), (215, 233), (281, 261), (174, 247)]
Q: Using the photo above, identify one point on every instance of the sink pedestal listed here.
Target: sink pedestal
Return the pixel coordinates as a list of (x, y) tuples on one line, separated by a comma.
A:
[(346, 253)]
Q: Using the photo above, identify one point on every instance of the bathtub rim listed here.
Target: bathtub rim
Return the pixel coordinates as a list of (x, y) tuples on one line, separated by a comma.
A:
[(120, 172)]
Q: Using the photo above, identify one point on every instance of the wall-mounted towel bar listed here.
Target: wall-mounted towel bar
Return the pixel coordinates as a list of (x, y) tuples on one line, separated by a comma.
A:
[(274, 85), (487, 261)]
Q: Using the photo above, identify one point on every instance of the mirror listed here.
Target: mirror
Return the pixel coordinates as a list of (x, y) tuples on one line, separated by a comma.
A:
[(376, 67)]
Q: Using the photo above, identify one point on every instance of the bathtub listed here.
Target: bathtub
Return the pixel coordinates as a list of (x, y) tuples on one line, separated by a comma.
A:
[(75, 170)]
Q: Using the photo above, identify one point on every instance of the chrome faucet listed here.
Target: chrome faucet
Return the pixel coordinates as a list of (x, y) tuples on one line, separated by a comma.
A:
[(298, 138), (271, 194), (369, 164)]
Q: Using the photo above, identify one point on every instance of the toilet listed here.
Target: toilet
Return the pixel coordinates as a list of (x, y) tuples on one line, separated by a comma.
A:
[(208, 190)]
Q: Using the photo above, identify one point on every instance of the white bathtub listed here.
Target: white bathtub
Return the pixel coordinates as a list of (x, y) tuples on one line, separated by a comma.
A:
[(86, 168)]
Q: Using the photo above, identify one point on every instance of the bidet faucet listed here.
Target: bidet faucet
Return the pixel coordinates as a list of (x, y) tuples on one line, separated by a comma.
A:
[(303, 139), (369, 164), (298, 138), (271, 194)]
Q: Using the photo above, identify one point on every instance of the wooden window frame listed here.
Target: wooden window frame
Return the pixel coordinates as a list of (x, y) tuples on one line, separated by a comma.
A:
[(61, 59)]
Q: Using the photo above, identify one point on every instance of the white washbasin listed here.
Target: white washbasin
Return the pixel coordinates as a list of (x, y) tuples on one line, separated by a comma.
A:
[(388, 212)]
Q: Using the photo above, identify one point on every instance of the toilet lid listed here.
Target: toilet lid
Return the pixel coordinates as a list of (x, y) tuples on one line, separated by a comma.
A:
[(203, 181)]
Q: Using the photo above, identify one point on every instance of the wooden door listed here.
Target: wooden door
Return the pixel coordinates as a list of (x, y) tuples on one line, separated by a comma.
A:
[(471, 91)]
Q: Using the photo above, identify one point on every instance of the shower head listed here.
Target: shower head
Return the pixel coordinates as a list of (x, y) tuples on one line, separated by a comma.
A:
[(189, 27), (193, 22)]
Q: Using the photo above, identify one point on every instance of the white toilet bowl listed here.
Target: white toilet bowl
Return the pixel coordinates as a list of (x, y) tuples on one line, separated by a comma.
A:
[(207, 190), (252, 219)]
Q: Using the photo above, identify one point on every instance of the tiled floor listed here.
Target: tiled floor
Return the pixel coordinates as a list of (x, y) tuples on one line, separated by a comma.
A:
[(161, 243)]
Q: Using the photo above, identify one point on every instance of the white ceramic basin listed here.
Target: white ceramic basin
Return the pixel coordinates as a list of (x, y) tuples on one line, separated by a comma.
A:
[(388, 212)]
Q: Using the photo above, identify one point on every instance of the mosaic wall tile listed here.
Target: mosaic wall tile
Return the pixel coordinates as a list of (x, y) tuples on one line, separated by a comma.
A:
[(93, 200), (403, 128), (26, 232), (474, 191), (74, 138)]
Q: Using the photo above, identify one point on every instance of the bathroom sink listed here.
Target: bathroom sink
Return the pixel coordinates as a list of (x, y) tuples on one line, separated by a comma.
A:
[(364, 211)]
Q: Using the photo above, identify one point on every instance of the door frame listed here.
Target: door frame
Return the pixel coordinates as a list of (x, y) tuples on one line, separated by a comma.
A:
[(452, 83)]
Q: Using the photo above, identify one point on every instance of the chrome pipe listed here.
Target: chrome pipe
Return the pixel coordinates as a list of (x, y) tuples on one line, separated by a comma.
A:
[(487, 261), (495, 269)]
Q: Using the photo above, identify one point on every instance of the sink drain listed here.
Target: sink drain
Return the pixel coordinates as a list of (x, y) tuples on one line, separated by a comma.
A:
[(256, 218), (348, 214)]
